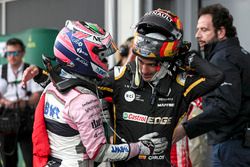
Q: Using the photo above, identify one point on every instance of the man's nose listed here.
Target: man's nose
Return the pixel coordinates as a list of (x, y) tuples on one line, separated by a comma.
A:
[(197, 34), (143, 68)]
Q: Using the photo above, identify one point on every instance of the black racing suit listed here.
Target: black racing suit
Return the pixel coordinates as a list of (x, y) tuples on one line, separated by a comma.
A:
[(227, 108), (147, 108)]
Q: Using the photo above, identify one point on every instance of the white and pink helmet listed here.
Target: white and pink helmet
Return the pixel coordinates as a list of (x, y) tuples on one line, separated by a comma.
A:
[(80, 47)]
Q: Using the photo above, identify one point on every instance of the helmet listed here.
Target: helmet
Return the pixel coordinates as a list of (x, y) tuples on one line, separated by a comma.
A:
[(158, 35), (80, 47)]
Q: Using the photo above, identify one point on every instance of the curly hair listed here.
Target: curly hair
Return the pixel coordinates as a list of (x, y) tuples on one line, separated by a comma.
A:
[(220, 17)]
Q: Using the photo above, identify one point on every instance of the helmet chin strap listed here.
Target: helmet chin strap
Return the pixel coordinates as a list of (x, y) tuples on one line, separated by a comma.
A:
[(161, 73), (137, 75)]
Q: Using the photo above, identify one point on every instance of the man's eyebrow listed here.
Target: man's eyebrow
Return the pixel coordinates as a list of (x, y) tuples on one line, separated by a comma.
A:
[(149, 63)]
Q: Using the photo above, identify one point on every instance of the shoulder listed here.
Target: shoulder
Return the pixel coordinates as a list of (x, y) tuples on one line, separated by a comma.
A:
[(119, 71), (83, 90), (181, 78), (84, 103), (234, 55)]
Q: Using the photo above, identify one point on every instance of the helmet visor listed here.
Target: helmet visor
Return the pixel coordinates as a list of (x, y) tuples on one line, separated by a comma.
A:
[(104, 44), (105, 51), (146, 46)]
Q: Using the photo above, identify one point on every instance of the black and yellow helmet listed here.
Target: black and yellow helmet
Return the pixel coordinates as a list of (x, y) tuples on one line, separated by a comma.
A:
[(158, 35)]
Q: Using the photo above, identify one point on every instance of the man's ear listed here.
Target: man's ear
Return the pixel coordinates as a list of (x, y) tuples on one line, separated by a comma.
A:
[(221, 33), (23, 53)]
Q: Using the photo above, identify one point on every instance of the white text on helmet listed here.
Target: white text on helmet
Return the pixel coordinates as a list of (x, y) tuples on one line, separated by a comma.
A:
[(158, 13), (96, 38)]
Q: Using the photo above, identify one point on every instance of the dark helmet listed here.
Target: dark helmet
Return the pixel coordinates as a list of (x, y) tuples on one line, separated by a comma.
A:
[(158, 35), (80, 47)]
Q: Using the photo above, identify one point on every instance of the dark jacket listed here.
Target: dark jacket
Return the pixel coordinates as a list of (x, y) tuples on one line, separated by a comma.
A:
[(227, 108), (147, 108)]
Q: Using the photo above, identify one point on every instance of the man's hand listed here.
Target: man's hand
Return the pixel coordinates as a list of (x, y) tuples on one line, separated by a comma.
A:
[(150, 145), (179, 133), (28, 74), (7, 103)]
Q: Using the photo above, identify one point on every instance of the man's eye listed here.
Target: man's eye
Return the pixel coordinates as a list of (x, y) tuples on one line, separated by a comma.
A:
[(204, 29), (152, 65)]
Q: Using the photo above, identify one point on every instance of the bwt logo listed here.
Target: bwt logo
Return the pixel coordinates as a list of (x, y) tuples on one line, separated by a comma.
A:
[(96, 123), (119, 149), (52, 111)]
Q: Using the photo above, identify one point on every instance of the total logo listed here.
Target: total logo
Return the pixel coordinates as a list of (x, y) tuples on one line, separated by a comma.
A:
[(129, 96)]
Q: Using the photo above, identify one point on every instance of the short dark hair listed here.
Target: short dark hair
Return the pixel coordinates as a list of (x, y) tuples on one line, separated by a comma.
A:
[(220, 17), (16, 41)]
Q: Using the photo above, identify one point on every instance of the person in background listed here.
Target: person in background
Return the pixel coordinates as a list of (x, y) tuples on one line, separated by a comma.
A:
[(125, 53), (226, 113), (17, 98)]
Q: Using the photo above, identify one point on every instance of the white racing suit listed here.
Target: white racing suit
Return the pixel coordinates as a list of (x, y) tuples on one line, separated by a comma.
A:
[(75, 131)]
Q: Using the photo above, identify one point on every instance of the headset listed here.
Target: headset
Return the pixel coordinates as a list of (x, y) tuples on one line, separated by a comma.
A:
[(124, 48)]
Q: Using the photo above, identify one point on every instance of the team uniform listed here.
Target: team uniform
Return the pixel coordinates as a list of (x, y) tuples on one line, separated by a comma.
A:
[(69, 129), (74, 120), (148, 108)]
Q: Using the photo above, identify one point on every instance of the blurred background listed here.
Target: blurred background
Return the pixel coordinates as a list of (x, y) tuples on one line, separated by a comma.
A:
[(37, 22)]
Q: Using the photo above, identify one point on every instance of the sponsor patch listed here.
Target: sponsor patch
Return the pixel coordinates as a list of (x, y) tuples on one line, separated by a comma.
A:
[(156, 157), (119, 149), (151, 157), (142, 157), (165, 105), (96, 123), (166, 99), (98, 70), (135, 117), (129, 96), (51, 111), (146, 119)]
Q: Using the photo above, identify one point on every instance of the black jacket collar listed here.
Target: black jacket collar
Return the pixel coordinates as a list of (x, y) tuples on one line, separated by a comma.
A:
[(211, 48)]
